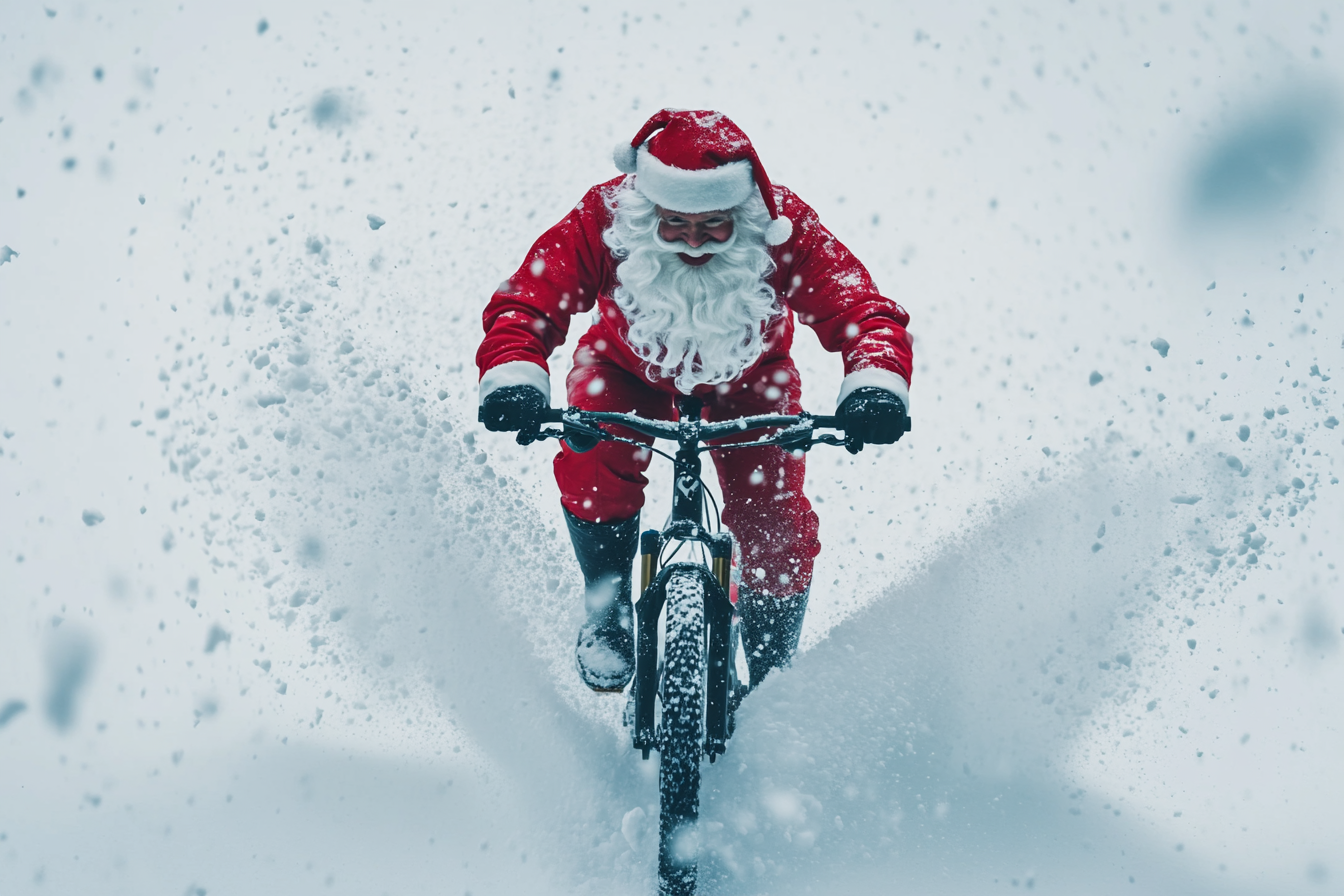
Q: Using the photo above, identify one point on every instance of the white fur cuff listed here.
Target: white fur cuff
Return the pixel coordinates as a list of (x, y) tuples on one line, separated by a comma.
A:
[(693, 192), (875, 377), (516, 373)]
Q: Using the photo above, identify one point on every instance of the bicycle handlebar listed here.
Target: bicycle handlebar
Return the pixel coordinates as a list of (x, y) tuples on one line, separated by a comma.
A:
[(795, 430)]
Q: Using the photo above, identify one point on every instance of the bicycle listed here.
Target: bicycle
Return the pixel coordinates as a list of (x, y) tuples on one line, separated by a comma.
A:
[(697, 682)]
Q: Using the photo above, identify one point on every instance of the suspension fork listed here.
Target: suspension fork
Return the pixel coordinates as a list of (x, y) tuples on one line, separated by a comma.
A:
[(719, 620)]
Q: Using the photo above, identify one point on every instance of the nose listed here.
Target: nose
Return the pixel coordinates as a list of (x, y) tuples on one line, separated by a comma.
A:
[(695, 237)]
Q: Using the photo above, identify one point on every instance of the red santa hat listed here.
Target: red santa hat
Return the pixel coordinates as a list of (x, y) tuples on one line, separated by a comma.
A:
[(699, 161)]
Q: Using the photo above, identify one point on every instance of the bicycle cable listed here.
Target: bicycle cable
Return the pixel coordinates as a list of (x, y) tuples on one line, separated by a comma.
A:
[(704, 490)]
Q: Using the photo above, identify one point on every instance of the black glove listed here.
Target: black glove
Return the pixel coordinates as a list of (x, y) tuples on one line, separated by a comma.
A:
[(874, 416), (512, 409)]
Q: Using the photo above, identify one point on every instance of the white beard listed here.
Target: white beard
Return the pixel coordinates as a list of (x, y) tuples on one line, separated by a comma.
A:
[(695, 325)]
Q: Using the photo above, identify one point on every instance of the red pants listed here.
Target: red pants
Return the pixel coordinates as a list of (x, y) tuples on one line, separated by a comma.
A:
[(763, 502)]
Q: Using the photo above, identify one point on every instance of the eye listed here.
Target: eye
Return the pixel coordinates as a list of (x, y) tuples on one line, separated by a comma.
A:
[(716, 222), (674, 221)]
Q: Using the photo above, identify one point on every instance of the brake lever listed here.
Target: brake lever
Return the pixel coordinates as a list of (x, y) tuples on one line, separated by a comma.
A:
[(527, 437), (536, 434), (582, 438)]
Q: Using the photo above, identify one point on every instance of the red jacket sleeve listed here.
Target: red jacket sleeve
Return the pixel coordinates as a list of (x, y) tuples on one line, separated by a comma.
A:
[(831, 291), (528, 316)]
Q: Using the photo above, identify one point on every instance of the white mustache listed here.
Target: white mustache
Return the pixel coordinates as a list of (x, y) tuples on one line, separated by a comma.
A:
[(708, 248)]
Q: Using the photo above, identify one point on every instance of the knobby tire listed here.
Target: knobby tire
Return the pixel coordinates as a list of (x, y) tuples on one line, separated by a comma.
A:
[(681, 735)]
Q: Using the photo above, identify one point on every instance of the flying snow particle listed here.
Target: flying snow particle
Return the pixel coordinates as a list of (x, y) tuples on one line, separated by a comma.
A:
[(10, 710), (633, 827), (1261, 162), (1186, 499), (69, 660), (7, 253), (375, 222), (263, 26), (311, 549), (92, 517), (216, 637), (331, 110), (1211, 286), (1162, 346), (1094, 378), (1244, 432)]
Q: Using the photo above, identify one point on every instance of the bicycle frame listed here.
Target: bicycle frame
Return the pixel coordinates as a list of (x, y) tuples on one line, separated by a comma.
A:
[(582, 431)]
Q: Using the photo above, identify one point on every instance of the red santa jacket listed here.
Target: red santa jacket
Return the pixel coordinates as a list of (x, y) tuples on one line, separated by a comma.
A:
[(569, 269)]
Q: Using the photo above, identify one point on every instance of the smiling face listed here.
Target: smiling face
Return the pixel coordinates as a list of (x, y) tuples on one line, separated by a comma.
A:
[(691, 320), (694, 230)]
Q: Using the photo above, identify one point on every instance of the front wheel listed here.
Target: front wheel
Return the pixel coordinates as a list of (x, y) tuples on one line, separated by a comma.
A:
[(681, 734)]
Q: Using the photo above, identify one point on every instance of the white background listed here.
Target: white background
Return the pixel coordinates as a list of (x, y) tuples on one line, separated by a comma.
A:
[(994, 694)]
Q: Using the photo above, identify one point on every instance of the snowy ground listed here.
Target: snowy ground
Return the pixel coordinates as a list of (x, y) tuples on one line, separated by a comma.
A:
[(276, 616)]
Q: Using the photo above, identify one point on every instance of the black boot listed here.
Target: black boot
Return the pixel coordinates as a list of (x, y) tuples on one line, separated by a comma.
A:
[(770, 629), (605, 653)]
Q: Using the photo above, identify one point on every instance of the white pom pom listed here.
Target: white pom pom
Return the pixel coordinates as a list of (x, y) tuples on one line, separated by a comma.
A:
[(778, 231), (624, 157)]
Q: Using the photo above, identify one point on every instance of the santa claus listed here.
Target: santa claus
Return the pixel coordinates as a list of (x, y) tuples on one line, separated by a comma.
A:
[(694, 266)]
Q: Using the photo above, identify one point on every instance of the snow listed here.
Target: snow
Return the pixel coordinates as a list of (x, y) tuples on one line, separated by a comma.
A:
[(322, 640)]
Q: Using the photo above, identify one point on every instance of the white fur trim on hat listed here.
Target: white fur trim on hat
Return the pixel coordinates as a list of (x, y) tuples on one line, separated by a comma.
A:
[(876, 377), (778, 231), (516, 373), (624, 157), (693, 192)]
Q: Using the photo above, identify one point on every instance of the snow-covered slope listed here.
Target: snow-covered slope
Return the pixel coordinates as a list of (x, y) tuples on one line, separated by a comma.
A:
[(279, 617)]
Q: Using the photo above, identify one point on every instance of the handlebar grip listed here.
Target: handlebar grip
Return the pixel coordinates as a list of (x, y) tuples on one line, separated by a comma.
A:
[(552, 415)]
